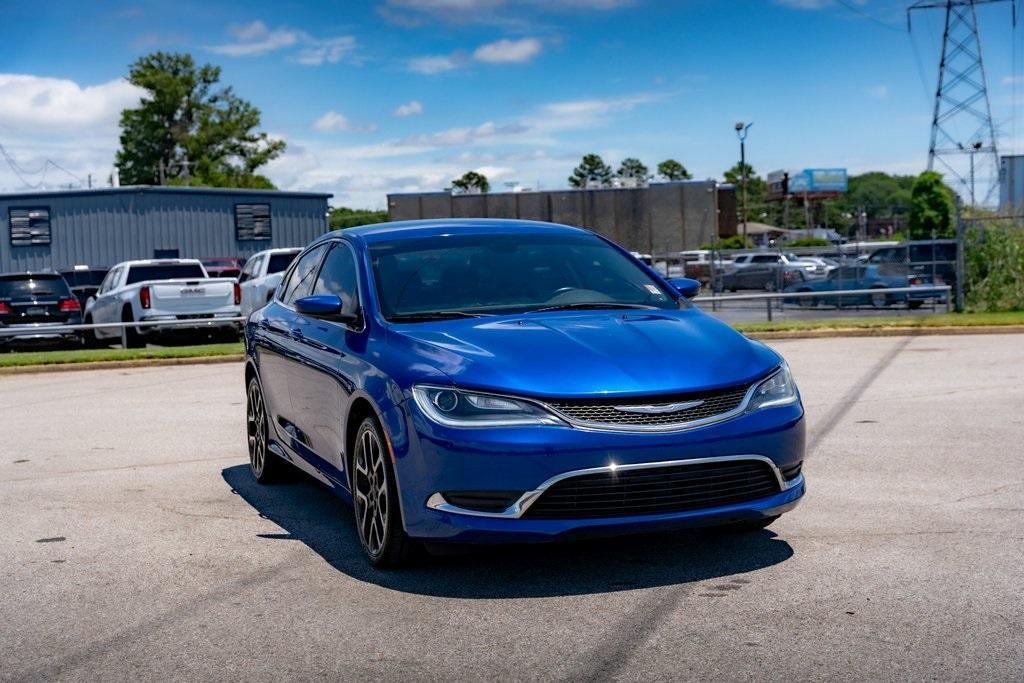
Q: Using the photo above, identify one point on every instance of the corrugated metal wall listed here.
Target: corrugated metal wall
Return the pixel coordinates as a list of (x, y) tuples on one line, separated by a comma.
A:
[(105, 227), (661, 217)]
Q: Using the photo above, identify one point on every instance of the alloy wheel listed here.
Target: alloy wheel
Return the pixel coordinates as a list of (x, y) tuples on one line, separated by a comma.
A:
[(372, 506), (256, 428)]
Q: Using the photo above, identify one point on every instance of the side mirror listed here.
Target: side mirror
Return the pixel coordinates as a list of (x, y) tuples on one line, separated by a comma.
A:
[(327, 306), (685, 286)]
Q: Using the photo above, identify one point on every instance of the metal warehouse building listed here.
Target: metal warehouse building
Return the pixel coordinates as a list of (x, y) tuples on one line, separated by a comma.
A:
[(102, 227)]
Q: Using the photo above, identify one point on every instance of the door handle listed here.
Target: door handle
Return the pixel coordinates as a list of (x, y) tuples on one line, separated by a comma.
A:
[(297, 333)]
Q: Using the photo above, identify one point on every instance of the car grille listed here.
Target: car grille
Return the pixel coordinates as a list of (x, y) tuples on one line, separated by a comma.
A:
[(615, 413), (656, 490)]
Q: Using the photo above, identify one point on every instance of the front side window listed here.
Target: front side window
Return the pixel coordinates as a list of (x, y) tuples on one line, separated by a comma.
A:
[(338, 276), (300, 280), (29, 226), (480, 274)]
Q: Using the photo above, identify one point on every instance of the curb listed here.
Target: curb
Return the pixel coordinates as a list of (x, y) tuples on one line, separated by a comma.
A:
[(114, 364), (886, 332)]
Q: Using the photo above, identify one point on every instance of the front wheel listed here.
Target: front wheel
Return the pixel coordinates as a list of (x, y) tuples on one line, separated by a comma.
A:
[(375, 497), (879, 300)]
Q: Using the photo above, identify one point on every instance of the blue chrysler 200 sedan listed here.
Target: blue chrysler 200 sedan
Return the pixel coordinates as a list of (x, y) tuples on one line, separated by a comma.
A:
[(486, 381)]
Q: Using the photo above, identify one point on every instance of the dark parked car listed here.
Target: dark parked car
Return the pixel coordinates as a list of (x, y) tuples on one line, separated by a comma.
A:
[(761, 271), (84, 281), (223, 266), (31, 303), (866, 277), (927, 258)]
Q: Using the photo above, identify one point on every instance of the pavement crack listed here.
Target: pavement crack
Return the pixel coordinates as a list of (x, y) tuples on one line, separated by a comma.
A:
[(850, 398), (614, 652)]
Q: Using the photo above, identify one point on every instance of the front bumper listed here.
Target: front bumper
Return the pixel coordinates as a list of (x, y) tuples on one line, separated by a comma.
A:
[(433, 459)]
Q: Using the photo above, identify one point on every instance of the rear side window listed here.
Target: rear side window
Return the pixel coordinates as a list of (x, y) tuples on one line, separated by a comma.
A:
[(279, 262), (300, 280), (173, 271), (33, 286), (765, 258)]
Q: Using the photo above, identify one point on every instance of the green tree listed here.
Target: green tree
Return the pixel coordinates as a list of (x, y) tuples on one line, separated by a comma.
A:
[(471, 180), (591, 169), (632, 167), (931, 207), (344, 217), (670, 169), (757, 192), (189, 131)]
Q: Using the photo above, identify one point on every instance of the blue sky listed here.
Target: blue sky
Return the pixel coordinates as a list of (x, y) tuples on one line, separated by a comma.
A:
[(402, 95)]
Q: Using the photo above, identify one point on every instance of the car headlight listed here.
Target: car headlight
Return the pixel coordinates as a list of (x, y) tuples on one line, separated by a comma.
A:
[(458, 408), (777, 390)]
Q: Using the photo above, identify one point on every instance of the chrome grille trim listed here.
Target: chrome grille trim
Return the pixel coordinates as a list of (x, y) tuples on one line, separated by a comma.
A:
[(519, 508), (560, 409)]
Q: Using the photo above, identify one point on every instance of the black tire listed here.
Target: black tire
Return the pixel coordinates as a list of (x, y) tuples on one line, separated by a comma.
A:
[(132, 338), (266, 467), (89, 339), (378, 516), (749, 526), (914, 305), (807, 301), (879, 300), (769, 286)]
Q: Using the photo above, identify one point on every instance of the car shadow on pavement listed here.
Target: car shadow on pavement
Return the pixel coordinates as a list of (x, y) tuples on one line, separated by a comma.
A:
[(310, 513)]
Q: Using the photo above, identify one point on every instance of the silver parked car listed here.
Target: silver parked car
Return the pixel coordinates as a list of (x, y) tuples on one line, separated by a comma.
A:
[(261, 276)]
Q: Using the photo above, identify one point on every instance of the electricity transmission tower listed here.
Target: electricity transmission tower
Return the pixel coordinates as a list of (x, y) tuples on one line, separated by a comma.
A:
[(962, 128)]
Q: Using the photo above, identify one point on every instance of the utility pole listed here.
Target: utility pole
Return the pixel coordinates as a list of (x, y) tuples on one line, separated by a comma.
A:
[(741, 133), (163, 180), (961, 98)]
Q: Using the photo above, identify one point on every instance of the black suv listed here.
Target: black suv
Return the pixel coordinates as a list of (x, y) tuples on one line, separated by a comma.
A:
[(31, 303), (932, 258)]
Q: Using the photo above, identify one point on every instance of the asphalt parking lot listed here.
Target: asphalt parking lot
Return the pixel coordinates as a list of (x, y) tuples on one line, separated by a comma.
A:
[(135, 545)]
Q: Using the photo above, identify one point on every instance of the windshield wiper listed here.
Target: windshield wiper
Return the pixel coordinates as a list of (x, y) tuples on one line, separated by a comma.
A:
[(433, 315), (588, 305)]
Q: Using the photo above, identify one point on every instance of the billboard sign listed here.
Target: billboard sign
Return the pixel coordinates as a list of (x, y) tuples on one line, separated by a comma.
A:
[(818, 181)]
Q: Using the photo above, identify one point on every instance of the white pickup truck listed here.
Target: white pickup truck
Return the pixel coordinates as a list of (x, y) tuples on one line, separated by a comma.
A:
[(164, 289), (261, 276)]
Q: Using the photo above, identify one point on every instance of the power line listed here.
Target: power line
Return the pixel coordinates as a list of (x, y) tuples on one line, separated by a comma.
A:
[(870, 17), (21, 172)]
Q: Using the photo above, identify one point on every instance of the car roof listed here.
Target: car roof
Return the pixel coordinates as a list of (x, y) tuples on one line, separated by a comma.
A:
[(28, 275), (379, 232)]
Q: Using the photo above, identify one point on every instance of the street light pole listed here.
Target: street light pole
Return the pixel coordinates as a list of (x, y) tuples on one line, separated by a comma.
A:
[(741, 133), (974, 150)]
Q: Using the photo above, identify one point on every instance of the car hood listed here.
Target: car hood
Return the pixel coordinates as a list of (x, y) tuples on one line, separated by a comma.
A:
[(589, 354)]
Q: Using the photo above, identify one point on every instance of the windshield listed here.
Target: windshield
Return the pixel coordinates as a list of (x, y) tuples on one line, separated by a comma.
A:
[(279, 262), (33, 287), (171, 271), (508, 273)]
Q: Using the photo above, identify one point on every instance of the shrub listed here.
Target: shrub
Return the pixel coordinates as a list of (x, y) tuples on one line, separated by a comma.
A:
[(731, 242), (995, 269)]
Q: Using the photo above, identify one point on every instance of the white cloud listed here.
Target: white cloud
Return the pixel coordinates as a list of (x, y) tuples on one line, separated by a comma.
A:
[(413, 108), (331, 50), (433, 64), (804, 4), (1013, 80), (38, 104), (508, 51), (255, 39), (877, 92), (336, 122)]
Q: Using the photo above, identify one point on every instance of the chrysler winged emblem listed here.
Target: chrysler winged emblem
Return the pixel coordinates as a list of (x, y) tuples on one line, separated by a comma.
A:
[(658, 409)]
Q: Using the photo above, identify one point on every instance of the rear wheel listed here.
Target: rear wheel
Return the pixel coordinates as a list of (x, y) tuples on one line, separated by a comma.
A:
[(807, 301), (375, 497), (265, 466), (132, 338), (89, 339), (914, 305), (879, 300)]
